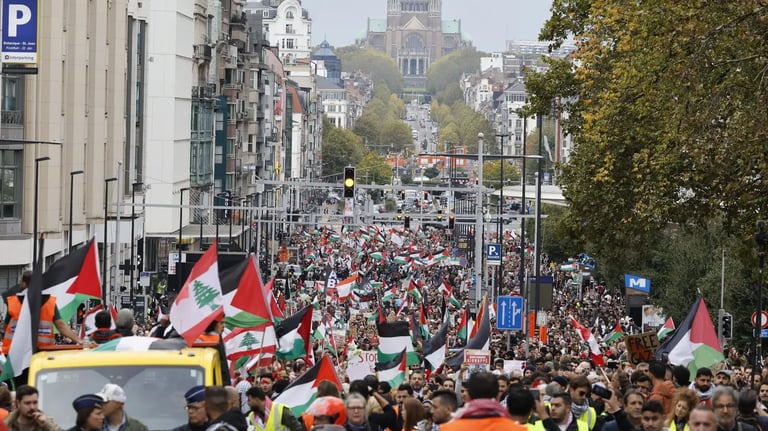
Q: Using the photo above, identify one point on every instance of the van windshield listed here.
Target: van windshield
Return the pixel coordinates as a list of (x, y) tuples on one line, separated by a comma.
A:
[(155, 394)]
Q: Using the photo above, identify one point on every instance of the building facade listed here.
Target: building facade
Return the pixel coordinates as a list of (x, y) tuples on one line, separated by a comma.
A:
[(414, 34), (72, 111)]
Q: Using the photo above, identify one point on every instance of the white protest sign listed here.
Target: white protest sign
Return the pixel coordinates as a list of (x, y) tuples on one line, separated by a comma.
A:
[(360, 364)]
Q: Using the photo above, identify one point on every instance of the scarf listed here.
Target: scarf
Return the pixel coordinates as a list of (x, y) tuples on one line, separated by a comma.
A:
[(702, 395), (579, 410), (481, 408)]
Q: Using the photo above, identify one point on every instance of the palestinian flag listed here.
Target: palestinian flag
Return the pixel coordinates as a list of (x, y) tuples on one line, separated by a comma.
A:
[(141, 344), (394, 371), (393, 336), (377, 255), (245, 304), (694, 343), (423, 325), (302, 391), (24, 343), (481, 340), (666, 329), (481, 311), (616, 334), (447, 292), (275, 310), (344, 287), (89, 320), (250, 341), (200, 301), (401, 260), (73, 279), (390, 295), (461, 332), (413, 290), (434, 349), (293, 335), (588, 337)]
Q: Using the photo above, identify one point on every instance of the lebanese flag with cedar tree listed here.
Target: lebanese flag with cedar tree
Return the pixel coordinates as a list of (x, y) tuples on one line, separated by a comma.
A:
[(586, 335), (200, 300)]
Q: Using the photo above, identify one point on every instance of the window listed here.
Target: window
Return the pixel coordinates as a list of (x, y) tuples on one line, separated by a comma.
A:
[(289, 28), (10, 183), (10, 276), (289, 13), (289, 44)]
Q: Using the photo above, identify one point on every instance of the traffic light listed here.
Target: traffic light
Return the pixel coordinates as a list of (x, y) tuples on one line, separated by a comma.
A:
[(439, 215), (426, 196), (407, 223), (451, 222), (726, 326), (402, 195), (349, 182)]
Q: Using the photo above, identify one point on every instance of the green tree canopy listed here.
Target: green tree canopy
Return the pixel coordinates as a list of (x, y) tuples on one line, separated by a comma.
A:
[(492, 173), (377, 64), (373, 168), (448, 69), (341, 147), (666, 106)]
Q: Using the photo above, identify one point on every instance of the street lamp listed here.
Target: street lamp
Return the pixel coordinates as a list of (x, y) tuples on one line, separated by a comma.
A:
[(105, 280), (37, 204), (71, 198), (500, 229), (134, 187), (178, 245)]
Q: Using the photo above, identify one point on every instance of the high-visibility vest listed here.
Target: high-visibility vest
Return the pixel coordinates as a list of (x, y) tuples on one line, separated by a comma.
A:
[(539, 426), (45, 333), (274, 421), (589, 418), (673, 426)]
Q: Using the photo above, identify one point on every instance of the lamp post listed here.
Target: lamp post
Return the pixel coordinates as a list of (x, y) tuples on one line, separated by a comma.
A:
[(37, 204), (71, 200), (500, 229), (178, 245), (229, 204), (134, 186), (104, 279), (479, 225)]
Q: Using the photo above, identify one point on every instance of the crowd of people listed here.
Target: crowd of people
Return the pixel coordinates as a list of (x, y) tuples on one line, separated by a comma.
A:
[(556, 388)]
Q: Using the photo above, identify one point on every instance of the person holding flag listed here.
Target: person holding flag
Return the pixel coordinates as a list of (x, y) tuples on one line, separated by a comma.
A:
[(49, 318)]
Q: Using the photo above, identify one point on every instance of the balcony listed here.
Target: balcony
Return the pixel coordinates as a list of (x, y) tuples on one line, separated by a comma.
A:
[(203, 52), (13, 117)]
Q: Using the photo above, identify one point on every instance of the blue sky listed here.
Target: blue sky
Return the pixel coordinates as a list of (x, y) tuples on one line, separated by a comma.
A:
[(489, 22)]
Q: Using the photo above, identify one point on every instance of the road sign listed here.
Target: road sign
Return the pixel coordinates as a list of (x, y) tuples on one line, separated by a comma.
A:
[(509, 313), (493, 254), (764, 320)]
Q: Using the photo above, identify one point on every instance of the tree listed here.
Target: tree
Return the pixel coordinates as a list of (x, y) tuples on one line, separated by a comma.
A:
[(449, 69), (205, 295), (375, 63), (248, 341), (341, 147), (432, 172), (373, 169), (667, 119), (492, 173)]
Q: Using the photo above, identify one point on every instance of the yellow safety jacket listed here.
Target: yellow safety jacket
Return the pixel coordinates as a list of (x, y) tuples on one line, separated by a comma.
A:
[(274, 421)]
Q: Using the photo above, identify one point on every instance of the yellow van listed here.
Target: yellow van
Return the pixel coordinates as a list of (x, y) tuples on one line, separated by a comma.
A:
[(154, 381)]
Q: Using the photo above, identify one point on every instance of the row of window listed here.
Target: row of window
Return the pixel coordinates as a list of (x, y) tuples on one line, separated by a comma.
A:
[(11, 162)]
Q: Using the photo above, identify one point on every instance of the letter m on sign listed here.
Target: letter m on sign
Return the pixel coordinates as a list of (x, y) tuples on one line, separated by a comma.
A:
[(637, 283)]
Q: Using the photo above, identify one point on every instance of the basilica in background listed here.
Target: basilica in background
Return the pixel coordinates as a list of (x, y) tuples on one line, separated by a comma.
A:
[(414, 34)]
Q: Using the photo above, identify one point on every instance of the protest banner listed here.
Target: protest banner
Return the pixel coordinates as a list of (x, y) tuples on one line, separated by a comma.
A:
[(641, 347), (360, 364), (477, 360)]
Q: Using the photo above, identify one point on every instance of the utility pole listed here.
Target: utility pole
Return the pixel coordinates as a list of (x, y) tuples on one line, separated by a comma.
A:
[(479, 220)]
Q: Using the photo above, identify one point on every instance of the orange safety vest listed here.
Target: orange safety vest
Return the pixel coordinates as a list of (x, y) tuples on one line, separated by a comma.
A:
[(207, 338), (487, 424), (45, 333)]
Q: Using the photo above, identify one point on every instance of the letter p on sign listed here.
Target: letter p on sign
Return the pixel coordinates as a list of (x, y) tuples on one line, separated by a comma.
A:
[(18, 15)]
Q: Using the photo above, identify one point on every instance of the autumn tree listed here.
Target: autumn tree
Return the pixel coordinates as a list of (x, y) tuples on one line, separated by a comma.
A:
[(666, 105), (449, 69), (375, 63)]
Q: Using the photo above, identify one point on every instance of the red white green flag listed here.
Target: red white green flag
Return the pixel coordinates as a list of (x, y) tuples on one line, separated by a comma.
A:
[(666, 329), (200, 300), (694, 343)]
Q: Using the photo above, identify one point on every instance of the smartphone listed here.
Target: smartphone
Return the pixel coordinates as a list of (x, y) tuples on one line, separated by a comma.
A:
[(602, 392), (534, 393)]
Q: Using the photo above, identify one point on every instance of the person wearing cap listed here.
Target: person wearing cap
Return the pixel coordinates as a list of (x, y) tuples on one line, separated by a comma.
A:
[(90, 416), (27, 417), (273, 416), (723, 377), (482, 411), (197, 418), (115, 418)]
